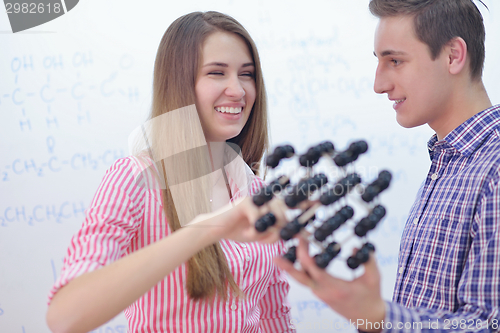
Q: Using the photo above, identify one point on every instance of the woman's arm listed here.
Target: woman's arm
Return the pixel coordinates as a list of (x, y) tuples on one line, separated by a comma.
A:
[(94, 298)]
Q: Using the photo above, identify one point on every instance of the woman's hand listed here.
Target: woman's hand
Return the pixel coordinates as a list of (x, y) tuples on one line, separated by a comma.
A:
[(236, 221)]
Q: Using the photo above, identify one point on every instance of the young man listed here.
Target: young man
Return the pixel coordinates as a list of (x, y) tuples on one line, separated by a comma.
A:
[(431, 55)]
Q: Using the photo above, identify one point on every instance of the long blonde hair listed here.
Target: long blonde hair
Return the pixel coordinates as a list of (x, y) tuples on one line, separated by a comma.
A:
[(176, 68)]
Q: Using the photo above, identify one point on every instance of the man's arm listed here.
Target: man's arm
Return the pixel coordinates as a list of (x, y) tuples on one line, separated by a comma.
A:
[(478, 294)]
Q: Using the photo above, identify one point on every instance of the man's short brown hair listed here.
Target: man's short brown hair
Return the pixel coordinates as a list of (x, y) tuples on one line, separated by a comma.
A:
[(436, 22)]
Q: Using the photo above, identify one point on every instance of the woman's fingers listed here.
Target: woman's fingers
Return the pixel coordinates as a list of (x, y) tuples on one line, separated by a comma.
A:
[(248, 211), (278, 208)]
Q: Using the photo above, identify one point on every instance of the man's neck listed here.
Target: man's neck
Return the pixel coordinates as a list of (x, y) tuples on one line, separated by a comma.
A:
[(471, 100)]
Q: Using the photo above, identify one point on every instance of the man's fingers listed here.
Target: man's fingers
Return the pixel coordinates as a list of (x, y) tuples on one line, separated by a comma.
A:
[(308, 263), (317, 274), (287, 266), (371, 268)]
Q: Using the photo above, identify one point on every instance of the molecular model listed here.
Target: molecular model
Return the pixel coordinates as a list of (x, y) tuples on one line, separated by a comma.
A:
[(326, 195)]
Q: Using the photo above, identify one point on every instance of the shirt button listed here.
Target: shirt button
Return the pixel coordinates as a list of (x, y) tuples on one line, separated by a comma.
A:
[(233, 307), (243, 245), (401, 270), (434, 176), (415, 221), (248, 258)]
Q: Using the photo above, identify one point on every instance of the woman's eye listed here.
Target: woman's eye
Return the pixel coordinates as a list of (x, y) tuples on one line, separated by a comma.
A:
[(248, 74), (216, 73)]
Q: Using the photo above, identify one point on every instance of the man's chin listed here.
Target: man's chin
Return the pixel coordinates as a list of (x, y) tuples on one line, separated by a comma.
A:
[(407, 123)]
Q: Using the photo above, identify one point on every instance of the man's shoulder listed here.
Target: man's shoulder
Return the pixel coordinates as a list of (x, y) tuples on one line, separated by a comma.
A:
[(486, 158), (489, 149)]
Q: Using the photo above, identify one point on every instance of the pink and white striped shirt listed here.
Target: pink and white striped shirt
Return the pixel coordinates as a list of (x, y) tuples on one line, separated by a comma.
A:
[(124, 217)]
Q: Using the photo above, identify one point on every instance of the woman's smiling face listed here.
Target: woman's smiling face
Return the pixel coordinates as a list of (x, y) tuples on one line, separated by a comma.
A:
[(225, 86)]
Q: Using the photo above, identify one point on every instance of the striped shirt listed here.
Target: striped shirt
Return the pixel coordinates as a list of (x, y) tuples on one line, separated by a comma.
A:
[(449, 262), (125, 217)]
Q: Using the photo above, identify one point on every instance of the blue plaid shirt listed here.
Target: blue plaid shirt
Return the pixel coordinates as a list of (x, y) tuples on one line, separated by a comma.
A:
[(449, 261)]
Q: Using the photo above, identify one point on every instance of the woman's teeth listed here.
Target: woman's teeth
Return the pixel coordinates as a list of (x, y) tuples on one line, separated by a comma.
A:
[(400, 101), (224, 109)]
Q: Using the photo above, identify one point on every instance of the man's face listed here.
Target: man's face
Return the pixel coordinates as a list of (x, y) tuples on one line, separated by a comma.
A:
[(419, 86)]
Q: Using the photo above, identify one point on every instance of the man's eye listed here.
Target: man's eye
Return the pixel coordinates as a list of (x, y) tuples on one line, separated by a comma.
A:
[(396, 62)]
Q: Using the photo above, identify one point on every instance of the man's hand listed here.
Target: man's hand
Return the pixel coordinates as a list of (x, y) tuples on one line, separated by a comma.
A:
[(357, 299)]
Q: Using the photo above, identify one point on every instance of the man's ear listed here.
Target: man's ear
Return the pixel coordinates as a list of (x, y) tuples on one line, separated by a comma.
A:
[(457, 54)]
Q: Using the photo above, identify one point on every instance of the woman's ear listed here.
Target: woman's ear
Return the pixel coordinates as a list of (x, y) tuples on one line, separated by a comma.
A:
[(457, 54)]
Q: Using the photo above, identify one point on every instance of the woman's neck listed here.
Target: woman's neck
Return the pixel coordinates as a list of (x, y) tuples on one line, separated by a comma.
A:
[(220, 191), (216, 151)]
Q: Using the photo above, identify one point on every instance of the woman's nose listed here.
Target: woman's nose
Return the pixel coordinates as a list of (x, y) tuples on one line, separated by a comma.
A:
[(235, 88)]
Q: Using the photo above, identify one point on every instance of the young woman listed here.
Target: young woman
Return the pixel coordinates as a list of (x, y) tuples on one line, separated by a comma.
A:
[(163, 236)]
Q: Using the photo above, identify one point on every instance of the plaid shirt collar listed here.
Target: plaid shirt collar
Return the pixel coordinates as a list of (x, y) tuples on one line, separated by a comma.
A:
[(469, 135)]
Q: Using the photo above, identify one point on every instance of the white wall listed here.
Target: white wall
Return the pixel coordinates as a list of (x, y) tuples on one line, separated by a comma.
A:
[(73, 89)]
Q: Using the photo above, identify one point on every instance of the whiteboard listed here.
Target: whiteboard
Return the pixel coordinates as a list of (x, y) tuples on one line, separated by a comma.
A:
[(73, 89)]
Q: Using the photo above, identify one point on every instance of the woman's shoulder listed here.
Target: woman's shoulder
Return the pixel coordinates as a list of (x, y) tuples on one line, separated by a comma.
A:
[(137, 168), (256, 183), (131, 163)]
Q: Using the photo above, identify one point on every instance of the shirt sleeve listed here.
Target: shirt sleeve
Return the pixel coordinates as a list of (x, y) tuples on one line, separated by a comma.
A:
[(478, 293), (110, 223), (274, 306)]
